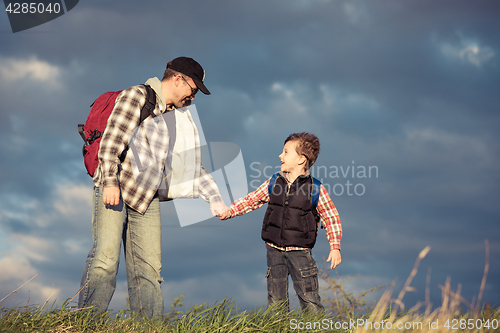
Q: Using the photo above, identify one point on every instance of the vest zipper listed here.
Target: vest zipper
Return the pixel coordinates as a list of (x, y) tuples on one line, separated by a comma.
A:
[(284, 213)]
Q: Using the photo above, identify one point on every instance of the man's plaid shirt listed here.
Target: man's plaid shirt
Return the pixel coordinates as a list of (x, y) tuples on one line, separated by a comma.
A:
[(121, 124), (325, 208)]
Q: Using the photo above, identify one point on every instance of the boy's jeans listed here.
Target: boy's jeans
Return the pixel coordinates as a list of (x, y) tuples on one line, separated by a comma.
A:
[(302, 267), (141, 236)]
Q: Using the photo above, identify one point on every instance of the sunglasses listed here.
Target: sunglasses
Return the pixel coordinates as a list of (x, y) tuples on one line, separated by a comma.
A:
[(193, 90)]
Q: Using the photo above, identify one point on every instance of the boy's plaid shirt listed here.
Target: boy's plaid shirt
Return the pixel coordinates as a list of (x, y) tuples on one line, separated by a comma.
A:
[(119, 128), (325, 208)]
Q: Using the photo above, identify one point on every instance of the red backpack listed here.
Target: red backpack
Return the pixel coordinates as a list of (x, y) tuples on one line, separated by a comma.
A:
[(95, 124)]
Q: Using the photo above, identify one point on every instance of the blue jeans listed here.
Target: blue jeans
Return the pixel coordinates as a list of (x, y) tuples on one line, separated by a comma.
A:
[(302, 268), (141, 235)]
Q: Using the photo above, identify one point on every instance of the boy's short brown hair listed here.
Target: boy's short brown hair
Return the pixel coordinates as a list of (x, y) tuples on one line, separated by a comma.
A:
[(307, 145)]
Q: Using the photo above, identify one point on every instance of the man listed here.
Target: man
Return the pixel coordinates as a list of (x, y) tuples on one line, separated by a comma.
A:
[(125, 206)]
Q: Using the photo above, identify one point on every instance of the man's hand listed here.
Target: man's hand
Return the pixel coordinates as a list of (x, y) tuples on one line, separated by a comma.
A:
[(335, 258), (111, 195), (226, 215), (218, 208)]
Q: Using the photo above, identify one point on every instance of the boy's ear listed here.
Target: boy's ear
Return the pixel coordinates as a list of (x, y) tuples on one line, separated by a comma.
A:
[(303, 160)]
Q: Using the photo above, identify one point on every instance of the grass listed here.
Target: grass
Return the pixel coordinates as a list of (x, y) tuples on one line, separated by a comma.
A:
[(345, 313), (225, 317), (221, 317)]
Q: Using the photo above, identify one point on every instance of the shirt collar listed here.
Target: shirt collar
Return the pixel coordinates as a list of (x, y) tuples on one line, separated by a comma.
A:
[(307, 174)]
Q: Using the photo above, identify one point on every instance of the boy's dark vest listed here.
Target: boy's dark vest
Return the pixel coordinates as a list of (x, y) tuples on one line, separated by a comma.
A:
[(289, 220)]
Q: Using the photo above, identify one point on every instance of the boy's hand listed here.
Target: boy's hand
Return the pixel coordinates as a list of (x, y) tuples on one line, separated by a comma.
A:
[(226, 215), (335, 258)]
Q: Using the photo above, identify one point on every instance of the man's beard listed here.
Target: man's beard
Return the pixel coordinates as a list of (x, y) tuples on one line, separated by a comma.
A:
[(184, 102)]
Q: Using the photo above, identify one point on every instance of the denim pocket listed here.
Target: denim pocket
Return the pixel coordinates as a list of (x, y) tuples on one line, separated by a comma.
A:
[(310, 277)]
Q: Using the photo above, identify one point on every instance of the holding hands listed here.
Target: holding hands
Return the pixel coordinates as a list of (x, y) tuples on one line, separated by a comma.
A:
[(225, 215), (221, 210), (218, 208)]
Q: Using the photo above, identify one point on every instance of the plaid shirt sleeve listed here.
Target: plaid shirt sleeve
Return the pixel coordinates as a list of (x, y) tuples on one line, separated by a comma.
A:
[(121, 123), (330, 219), (209, 191), (251, 201)]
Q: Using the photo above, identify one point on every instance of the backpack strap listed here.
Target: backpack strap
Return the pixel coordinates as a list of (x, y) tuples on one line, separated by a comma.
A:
[(315, 191), (146, 111), (272, 181), (149, 106), (81, 130)]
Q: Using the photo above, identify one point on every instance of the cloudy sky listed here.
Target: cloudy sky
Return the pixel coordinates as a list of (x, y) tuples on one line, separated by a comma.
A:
[(406, 89)]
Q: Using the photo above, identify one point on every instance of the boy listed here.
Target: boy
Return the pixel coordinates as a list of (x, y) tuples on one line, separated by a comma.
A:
[(290, 226)]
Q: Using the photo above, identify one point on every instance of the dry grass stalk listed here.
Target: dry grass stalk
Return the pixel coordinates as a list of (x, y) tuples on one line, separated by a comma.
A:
[(440, 320), (12, 292)]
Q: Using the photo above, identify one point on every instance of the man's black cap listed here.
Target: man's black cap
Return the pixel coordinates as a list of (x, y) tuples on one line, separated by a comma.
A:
[(191, 68)]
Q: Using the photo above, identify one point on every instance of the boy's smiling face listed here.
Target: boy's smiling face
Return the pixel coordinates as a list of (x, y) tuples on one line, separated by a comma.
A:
[(291, 162)]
